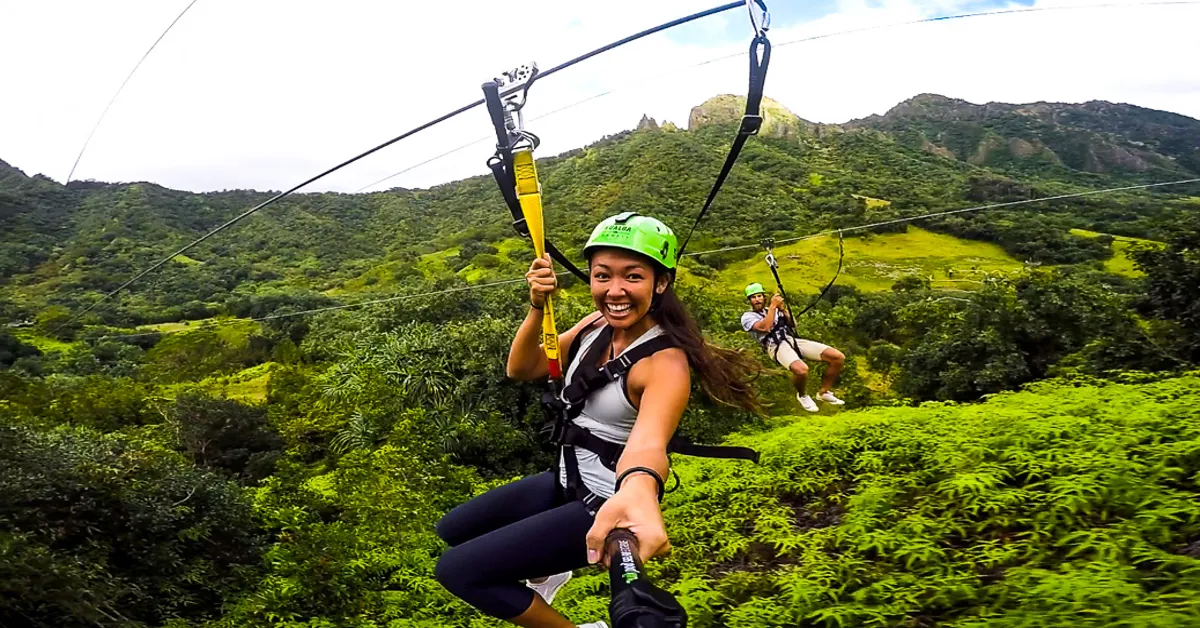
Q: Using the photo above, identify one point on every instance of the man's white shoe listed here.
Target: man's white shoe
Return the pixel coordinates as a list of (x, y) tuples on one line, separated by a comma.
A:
[(828, 397), (595, 624), (549, 587), (807, 403)]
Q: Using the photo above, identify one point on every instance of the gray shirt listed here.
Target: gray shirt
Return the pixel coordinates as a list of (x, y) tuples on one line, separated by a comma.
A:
[(608, 414), (750, 318)]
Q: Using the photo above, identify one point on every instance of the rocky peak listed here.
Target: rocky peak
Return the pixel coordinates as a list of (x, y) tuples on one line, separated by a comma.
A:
[(4, 166), (647, 123), (929, 107), (778, 121)]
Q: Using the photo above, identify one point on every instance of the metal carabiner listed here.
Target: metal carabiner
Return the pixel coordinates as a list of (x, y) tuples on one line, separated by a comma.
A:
[(768, 244), (760, 17), (514, 87)]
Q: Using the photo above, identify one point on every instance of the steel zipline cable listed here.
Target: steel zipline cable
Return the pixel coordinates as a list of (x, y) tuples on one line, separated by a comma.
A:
[(852, 31), (406, 134), (948, 213), (122, 88), (564, 66)]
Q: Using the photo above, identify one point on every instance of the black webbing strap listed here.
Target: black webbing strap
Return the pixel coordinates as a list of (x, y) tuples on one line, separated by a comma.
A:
[(502, 169), (575, 488), (821, 295), (680, 445), (610, 452), (578, 340), (751, 123), (588, 377), (790, 322)]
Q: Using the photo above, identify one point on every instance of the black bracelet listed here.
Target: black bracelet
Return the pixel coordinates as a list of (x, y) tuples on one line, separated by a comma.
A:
[(536, 307), (652, 472)]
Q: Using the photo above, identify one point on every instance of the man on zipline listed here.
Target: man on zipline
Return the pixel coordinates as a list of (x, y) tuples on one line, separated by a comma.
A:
[(767, 323)]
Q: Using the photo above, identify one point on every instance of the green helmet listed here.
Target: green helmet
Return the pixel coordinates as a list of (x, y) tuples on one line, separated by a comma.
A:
[(637, 233), (753, 289)]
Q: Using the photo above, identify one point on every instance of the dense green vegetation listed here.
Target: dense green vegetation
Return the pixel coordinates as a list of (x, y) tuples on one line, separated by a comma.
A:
[(1071, 504), (170, 462)]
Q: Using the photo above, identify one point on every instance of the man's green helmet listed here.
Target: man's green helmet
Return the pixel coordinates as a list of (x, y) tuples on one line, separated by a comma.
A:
[(637, 233), (753, 289)]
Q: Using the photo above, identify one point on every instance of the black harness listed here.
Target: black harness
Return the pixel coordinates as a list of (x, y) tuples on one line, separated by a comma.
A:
[(562, 411), (777, 335)]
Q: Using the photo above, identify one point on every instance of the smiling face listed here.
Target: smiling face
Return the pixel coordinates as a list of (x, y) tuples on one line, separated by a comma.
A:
[(758, 301), (623, 287)]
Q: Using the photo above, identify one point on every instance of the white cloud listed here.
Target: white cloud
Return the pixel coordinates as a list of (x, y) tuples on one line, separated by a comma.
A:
[(266, 94)]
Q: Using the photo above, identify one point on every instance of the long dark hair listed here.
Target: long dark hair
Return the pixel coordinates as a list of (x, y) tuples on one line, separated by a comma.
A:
[(726, 375)]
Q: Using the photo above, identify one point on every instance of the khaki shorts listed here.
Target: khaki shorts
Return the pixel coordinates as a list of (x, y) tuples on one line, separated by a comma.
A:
[(786, 355)]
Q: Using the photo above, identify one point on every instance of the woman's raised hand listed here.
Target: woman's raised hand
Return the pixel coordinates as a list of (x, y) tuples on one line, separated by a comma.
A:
[(542, 281)]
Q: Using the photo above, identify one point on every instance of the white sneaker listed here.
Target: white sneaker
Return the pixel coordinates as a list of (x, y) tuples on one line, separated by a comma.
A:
[(595, 624), (828, 397), (807, 403), (549, 587)]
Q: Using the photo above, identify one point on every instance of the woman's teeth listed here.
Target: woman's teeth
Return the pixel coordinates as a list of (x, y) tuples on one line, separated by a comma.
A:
[(621, 308)]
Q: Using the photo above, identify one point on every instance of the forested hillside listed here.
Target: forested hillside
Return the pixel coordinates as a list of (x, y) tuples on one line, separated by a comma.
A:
[(1099, 137), (1019, 445), (66, 246)]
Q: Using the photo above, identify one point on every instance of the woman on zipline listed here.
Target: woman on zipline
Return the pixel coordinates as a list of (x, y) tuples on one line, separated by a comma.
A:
[(555, 522)]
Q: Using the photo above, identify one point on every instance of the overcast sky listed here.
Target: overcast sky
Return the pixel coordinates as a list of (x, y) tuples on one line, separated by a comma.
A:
[(265, 93)]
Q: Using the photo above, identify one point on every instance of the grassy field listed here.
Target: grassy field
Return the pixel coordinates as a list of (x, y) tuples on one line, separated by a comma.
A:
[(171, 328), (875, 262), (872, 262), (44, 344), (872, 203), (1119, 263), (383, 277), (248, 385)]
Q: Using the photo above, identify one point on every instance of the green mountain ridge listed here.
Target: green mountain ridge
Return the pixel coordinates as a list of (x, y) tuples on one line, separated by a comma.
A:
[(1095, 136), (68, 245)]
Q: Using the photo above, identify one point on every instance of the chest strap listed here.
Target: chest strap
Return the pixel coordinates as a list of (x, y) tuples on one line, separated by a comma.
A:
[(587, 378), (610, 452), (777, 335)]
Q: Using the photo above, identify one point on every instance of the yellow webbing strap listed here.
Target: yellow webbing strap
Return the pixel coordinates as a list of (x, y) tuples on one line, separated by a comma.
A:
[(529, 194)]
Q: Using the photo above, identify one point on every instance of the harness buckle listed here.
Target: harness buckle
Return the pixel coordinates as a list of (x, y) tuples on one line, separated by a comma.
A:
[(562, 398), (556, 432), (521, 227), (592, 503), (613, 374), (750, 125)]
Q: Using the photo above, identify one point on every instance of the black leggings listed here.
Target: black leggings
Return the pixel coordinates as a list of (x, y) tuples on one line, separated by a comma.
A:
[(512, 533)]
